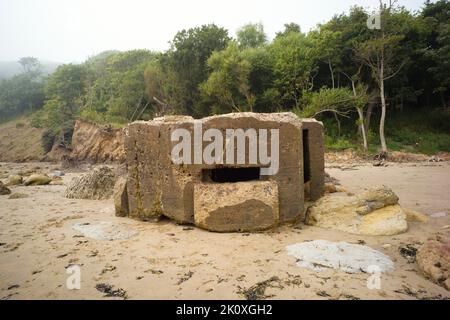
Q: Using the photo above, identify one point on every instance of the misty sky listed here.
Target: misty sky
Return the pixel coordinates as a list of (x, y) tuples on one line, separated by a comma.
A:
[(72, 30)]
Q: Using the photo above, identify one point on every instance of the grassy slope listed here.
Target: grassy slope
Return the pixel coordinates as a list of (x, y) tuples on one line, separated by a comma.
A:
[(19, 141)]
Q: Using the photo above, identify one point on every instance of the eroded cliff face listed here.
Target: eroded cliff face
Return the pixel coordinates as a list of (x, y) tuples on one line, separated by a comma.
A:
[(96, 143)]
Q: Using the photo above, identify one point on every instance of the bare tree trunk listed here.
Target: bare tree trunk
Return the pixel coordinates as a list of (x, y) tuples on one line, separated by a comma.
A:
[(338, 124), (362, 129), (383, 115), (368, 117), (331, 72), (361, 120)]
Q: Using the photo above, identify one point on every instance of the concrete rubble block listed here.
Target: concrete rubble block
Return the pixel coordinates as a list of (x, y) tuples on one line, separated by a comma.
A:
[(121, 197), (236, 207), (375, 212)]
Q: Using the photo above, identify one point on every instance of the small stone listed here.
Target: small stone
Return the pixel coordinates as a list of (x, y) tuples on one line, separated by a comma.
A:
[(4, 189), (14, 180), (329, 187), (18, 195)]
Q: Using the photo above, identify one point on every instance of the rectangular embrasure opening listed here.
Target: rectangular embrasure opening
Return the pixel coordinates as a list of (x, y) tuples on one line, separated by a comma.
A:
[(306, 166), (224, 175), (306, 159)]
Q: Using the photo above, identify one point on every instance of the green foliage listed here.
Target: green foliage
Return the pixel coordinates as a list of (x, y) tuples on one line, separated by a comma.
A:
[(118, 95), (331, 72), (47, 140), (293, 65), (338, 143), (228, 84), (23, 92), (251, 36), (187, 62)]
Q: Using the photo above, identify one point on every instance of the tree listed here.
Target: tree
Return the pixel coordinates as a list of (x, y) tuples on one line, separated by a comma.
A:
[(186, 62), (251, 35), (115, 91), (23, 92), (327, 44), (379, 54), (436, 16), (293, 66), (288, 28), (30, 65), (64, 92), (228, 82)]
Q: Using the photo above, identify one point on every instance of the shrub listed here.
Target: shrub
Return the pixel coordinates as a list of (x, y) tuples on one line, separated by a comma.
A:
[(47, 140)]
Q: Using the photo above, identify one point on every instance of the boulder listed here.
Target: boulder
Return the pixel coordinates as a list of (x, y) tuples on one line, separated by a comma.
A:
[(433, 260), (121, 197), (14, 180), (3, 189), (374, 212), (95, 185), (236, 207), (37, 180)]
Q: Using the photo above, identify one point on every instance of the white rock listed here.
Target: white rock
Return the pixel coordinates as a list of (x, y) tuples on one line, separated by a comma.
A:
[(319, 255)]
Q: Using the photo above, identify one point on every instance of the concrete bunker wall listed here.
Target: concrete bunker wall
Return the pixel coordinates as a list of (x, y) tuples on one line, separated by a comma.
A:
[(222, 197)]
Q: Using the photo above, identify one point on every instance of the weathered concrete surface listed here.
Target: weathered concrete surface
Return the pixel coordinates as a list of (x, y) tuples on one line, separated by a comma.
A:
[(121, 197), (156, 186), (375, 212), (433, 260), (229, 207)]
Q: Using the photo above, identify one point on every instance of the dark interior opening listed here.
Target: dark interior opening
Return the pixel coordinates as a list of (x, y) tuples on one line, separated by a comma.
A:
[(223, 175), (306, 160), (306, 166)]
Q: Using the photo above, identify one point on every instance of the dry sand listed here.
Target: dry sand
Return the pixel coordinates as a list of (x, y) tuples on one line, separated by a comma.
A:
[(169, 261)]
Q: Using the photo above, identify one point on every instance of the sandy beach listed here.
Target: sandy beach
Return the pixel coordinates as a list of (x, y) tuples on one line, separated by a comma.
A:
[(163, 260)]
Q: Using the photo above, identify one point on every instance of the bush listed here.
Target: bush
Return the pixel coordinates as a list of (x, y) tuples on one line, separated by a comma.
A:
[(47, 140), (339, 143), (20, 125)]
